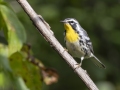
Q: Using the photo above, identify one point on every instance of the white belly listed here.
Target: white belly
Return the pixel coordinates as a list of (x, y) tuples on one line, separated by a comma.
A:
[(74, 49)]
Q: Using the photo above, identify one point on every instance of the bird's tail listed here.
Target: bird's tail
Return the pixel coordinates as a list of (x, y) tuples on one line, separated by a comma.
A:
[(97, 62)]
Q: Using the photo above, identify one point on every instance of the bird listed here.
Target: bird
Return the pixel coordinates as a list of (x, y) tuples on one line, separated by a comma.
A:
[(78, 42)]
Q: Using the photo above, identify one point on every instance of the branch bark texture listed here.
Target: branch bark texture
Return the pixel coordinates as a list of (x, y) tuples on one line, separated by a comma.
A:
[(44, 29)]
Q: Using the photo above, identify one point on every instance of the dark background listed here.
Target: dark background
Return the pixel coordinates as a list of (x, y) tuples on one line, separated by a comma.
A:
[(101, 20)]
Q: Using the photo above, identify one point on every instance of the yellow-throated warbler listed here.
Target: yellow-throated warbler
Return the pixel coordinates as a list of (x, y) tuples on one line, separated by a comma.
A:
[(78, 43)]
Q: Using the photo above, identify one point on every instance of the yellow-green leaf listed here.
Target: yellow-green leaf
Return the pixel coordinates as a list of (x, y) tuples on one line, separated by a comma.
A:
[(15, 33), (25, 69), (4, 62), (4, 81)]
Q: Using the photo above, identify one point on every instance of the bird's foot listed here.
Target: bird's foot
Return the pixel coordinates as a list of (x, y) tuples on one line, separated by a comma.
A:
[(77, 65), (65, 49)]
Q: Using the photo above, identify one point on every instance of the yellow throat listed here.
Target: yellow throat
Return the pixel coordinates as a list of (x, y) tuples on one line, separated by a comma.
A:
[(71, 35)]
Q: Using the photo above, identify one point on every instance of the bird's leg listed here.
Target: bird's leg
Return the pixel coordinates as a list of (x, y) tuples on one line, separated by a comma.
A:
[(65, 49), (79, 64)]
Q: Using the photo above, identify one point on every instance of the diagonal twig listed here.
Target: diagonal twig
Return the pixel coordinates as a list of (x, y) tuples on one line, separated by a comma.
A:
[(44, 29)]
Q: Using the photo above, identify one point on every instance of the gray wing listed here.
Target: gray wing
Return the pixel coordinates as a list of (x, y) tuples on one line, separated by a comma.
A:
[(86, 39), (89, 43)]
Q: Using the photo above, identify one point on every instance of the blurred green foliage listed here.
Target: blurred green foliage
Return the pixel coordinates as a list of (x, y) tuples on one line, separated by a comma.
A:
[(100, 18), (16, 72)]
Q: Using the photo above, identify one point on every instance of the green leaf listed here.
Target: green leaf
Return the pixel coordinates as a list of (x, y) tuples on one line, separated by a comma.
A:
[(20, 85), (25, 69), (4, 81), (4, 62), (15, 33), (8, 82)]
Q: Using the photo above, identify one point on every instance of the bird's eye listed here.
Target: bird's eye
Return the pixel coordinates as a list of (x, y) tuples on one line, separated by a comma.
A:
[(71, 22)]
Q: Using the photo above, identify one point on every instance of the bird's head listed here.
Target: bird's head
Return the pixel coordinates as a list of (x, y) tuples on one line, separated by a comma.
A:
[(70, 23)]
